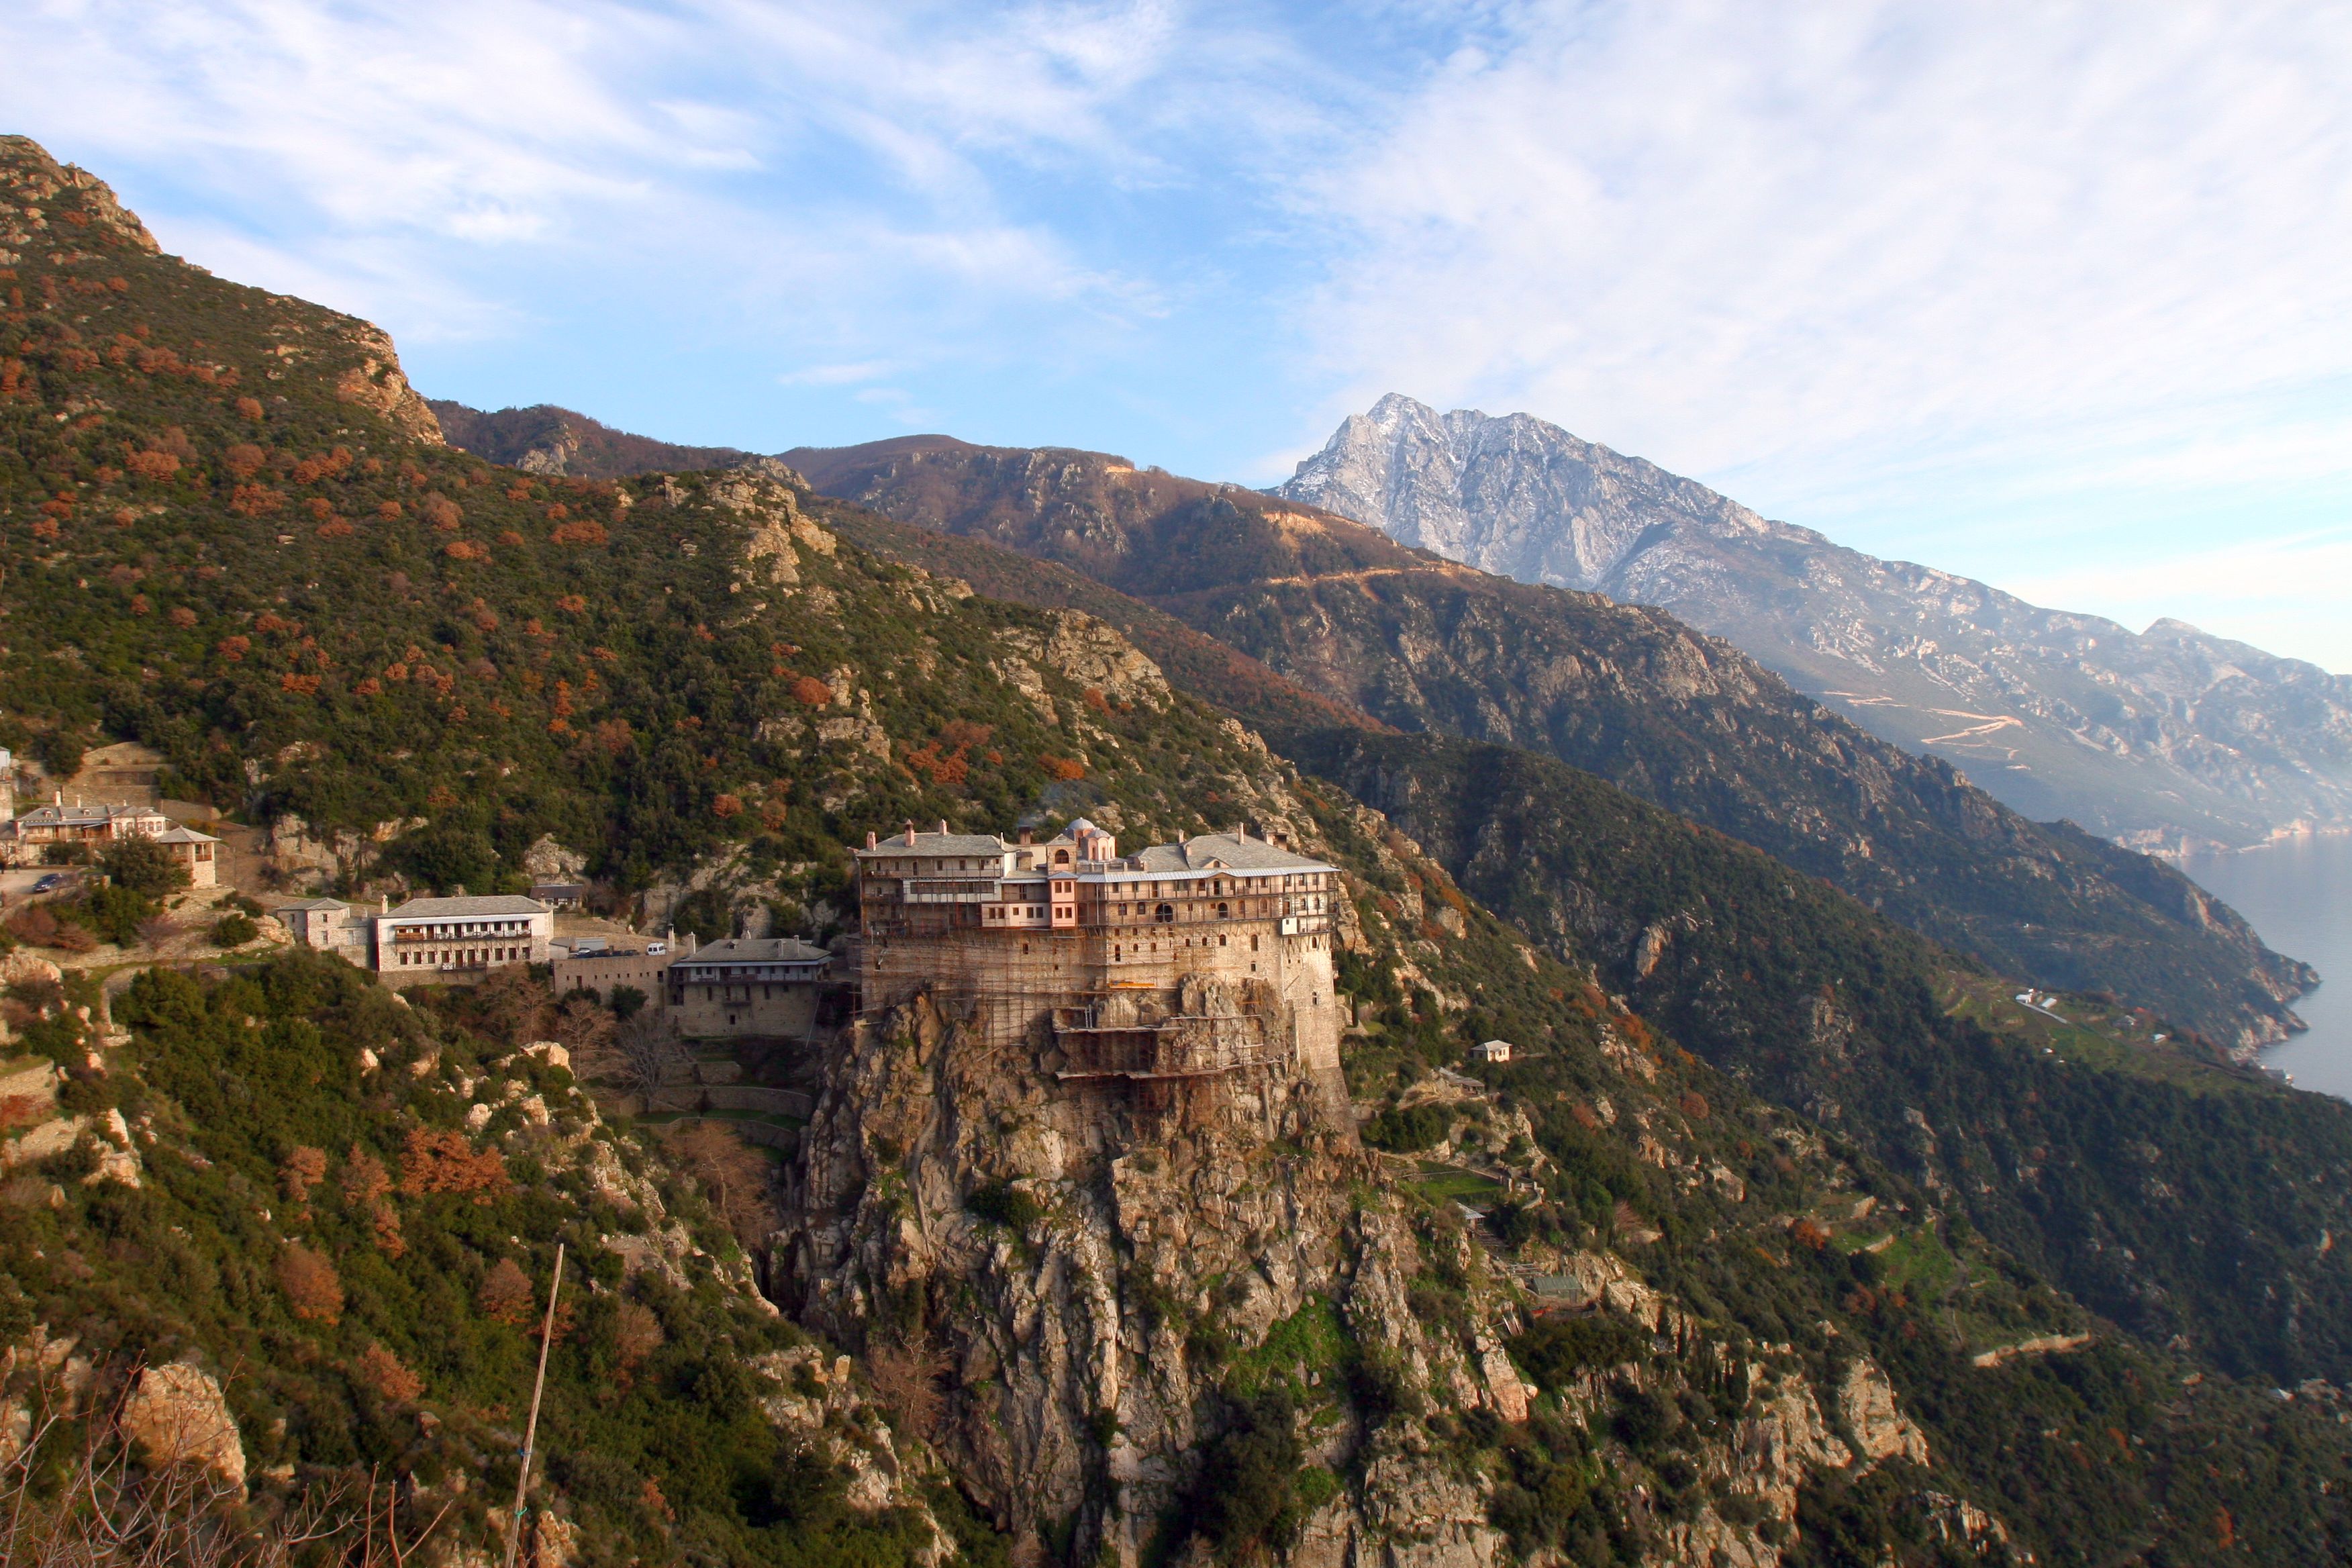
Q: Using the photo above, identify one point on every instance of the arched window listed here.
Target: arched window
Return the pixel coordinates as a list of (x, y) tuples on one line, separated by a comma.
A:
[(1223, 912), (1165, 914), (1061, 856)]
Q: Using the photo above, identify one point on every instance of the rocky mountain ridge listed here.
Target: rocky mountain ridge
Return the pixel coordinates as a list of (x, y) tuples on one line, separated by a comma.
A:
[(545, 439), (2162, 739)]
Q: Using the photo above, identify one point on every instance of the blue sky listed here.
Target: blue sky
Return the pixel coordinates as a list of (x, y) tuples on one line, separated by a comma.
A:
[(2051, 295)]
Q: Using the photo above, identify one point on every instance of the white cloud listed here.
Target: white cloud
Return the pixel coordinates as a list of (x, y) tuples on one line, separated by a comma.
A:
[(732, 141), (1724, 234), (1927, 275)]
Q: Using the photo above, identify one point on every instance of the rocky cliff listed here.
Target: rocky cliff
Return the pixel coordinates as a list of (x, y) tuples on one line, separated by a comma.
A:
[(2159, 737), (1205, 1327)]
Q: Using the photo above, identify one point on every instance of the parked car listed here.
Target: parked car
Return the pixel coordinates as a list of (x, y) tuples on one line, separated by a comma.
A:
[(50, 883)]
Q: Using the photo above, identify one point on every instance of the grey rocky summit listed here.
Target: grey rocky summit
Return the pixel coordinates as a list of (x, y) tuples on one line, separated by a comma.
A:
[(2161, 739)]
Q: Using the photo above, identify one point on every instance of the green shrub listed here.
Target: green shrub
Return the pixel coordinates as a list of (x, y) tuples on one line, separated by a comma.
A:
[(1554, 1351), (234, 930), (86, 1093), (1403, 1130), (1001, 1203), (114, 912), (1644, 1418), (142, 866), (1248, 1496)]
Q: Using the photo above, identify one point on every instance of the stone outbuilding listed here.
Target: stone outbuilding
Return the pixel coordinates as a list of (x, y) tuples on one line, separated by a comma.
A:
[(197, 853), (330, 925), (748, 987)]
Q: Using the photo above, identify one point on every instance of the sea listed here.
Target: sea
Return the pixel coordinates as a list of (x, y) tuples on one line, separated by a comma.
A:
[(2298, 894)]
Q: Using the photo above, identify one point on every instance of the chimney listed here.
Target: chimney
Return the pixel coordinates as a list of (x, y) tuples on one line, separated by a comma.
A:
[(384, 904), (943, 828), (1027, 836), (869, 841), (911, 835)]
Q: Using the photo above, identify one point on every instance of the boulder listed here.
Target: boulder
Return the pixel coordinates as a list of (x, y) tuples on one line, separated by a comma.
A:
[(177, 1415)]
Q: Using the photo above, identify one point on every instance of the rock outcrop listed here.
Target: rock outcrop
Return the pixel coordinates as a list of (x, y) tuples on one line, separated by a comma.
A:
[(377, 382), (177, 1415), (1074, 1290), (1078, 1262)]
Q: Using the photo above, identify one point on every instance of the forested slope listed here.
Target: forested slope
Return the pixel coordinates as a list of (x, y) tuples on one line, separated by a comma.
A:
[(1628, 693), (2157, 1186)]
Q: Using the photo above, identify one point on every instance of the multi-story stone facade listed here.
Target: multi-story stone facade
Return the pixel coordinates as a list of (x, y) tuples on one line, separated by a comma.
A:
[(1180, 964), (445, 939)]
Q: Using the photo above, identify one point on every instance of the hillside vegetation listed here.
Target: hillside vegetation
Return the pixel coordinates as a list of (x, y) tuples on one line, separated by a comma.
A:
[(1628, 693), (544, 439), (2149, 1182), (350, 1262), (228, 529)]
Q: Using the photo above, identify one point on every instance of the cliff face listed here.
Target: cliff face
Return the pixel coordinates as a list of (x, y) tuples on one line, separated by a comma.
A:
[(1145, 1324), (1080, 1299), (2157, 738), (1055, 1249)]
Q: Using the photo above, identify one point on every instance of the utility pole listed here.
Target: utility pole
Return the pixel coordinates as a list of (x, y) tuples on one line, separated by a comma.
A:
[(530, 1430)]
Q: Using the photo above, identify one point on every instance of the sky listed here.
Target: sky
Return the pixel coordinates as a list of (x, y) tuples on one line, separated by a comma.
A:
[(2053, 295)]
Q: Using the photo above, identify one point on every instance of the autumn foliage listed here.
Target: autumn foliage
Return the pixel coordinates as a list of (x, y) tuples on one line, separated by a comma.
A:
[(380, 1370), (255, 500), (305, 1168), (364, 1178), (506, 1293), (310, 1285), (444, 1161)]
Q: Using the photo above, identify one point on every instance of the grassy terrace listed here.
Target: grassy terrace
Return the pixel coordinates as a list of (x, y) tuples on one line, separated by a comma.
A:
[(2091, 1033)]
